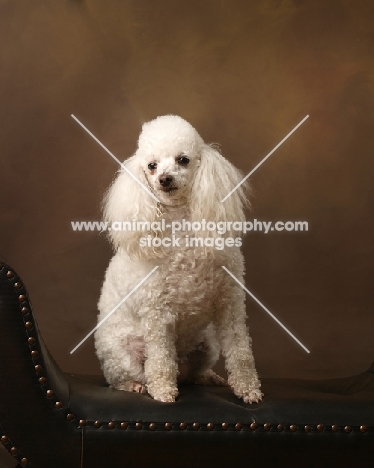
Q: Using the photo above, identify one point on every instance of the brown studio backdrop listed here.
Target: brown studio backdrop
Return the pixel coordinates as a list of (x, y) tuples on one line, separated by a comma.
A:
[(244, 74)]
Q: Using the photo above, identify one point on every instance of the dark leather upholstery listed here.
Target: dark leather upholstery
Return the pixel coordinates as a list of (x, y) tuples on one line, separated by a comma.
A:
[(50, 419)]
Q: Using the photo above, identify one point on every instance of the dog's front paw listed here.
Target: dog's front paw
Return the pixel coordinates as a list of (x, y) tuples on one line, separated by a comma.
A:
[(248, 390), (166, 396), (253, 396)]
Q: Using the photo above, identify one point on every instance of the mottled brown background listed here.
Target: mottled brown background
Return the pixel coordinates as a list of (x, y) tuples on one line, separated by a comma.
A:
[(244, 74)]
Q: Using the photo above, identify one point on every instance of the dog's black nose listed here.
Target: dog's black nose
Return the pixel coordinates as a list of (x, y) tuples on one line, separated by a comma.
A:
[(165, 180)]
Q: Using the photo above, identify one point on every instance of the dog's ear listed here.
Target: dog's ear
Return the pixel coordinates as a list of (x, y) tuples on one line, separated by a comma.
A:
[(214, 179), (127, 201)]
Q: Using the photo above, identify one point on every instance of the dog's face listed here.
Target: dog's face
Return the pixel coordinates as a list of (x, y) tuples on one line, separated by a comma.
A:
[(170, 151)]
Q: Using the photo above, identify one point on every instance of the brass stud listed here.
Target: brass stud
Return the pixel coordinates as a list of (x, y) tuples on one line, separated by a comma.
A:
[(238, 427), (168, 426), (50, 394), (14, 451), (363, 428), (253, 426), (347, 429), (210, 426), (10, 274), (280, 427), (31, 341), (225, 426), (182, 426), (97, 424), (267, 426), (138, 426), (22, 298), (58, 404), (24, 461), (111, 425), (25, 310), (334, 428), (28, 325), (38, 368), (196, 426), (34, 354), (4, 439), (42, 380), (18, 285), (320, 427), (307, 428), (293, 428), (123, 425), (70, 417), (82, 423), (153, 426)]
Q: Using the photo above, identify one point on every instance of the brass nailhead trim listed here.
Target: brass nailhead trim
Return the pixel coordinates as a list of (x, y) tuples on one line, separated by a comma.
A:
[(168, 426), (38, 368), (31, 340), (70, 417), (28, 325), (183, 426), (253, 426), (50, 394), (320, 427), (4, 439), (14, 451), (24, 461), (22, 298), (82, 422), (34, 354), (335, 428), (123, 425), (10, 274), (152, 426), (42, 380), (196, 426), (138, 426), (280, 427), (97, 424), (307, 428), (293, 428), (347, 429), (25, 310), (58, 404), (210, 426), (238, 426), (225, 426), (18, 285), (111, 425), (363, 428)]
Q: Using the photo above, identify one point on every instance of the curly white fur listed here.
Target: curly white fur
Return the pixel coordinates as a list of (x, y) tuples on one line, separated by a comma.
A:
[(173, 328)]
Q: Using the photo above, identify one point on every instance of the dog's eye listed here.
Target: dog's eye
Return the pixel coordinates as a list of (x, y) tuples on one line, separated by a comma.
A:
[(183, 160), (152, 166)]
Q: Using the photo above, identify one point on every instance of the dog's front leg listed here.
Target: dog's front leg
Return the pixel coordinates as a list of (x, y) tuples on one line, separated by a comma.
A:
[(160, 367), (236, 345)]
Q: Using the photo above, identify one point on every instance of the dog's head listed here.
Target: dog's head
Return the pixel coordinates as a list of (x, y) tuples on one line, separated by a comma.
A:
[(169, 151), (178, 168)]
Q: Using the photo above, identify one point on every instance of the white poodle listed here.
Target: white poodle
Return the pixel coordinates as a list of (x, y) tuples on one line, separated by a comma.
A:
[(173, 327)]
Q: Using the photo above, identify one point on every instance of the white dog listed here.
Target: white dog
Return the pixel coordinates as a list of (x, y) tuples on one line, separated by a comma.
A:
[(173, 327)]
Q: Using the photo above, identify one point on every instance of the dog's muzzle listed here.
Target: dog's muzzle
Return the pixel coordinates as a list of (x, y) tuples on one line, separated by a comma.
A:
[(166, 182)]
